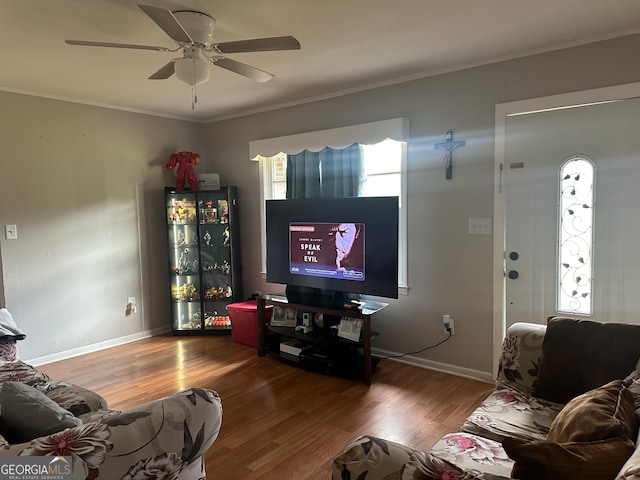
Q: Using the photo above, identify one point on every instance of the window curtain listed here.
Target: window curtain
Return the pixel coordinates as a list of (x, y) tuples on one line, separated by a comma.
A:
[(329, 173)]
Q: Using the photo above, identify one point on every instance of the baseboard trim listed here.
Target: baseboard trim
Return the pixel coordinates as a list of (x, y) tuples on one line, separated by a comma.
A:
[(437, 366), (97, 346)]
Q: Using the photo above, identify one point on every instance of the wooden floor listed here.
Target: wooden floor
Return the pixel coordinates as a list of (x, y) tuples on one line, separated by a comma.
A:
[(279, 422)]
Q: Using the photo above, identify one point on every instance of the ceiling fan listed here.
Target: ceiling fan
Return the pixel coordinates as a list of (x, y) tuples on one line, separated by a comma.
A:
[(193, 32)]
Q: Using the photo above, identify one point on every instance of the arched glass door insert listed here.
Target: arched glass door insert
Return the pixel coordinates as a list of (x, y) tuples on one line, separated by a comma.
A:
[(575, 236)]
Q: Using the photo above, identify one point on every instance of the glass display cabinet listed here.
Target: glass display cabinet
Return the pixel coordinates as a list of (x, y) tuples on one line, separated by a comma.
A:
[(204, 259)]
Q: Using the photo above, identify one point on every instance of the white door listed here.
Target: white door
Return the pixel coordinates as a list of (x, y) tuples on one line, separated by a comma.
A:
[(536, 147)]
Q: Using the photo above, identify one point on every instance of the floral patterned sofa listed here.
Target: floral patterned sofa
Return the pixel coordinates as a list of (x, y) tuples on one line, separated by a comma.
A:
[(566, 406), (165, 438)]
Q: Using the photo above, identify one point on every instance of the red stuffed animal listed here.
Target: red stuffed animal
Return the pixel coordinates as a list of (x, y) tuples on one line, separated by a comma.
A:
[(185, 160)]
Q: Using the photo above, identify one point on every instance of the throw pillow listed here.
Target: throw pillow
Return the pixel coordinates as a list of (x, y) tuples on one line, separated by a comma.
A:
[(29, 413), (8, 327), (600, 414), (633, 384), (544, 460), (8, 350), (580, 355)]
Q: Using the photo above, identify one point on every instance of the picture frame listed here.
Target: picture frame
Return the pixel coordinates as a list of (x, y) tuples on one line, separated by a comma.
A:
[(284, 317), (350, 328)]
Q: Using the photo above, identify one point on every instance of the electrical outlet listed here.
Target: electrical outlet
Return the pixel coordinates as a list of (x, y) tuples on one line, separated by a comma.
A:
[(131, 307), (447, 323)]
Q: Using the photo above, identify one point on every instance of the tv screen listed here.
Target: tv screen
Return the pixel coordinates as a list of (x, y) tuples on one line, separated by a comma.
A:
[(347, 245)]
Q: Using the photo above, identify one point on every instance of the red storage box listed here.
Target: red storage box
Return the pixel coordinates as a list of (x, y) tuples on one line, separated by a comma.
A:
[(244, 324)]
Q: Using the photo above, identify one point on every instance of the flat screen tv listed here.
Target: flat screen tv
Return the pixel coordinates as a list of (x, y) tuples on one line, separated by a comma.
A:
[(328, 250)]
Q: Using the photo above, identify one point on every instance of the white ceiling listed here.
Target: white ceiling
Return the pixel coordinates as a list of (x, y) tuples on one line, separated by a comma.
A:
[(347, 45)]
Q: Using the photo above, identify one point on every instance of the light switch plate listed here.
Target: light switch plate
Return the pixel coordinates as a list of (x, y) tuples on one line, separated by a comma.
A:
[(479, 226), (10, 232)]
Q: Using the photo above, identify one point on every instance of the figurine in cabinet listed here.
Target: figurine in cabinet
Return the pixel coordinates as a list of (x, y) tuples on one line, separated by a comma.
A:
[(187, 263)]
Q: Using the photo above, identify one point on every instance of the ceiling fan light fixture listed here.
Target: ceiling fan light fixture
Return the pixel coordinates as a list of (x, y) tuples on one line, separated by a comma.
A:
[(193, 32), (192, 71)]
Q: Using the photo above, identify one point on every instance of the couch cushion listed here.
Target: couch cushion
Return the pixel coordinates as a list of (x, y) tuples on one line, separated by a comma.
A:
[(77, 400), (29, 414), (508, 412), (544, 460), (599, 414), (472, 453), (577, 357), (21, 372), (372, 455)]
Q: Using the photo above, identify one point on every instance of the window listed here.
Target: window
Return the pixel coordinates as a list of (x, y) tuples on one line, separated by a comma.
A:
[(389, 168), (383, 169), (276, 178), (575, 236), (385, 176)]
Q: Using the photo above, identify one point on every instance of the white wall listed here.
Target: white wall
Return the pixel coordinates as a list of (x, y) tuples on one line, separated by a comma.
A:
[(449, 270), (84, 185)]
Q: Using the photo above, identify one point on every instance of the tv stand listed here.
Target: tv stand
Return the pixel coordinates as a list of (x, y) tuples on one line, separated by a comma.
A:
[(323, 349)]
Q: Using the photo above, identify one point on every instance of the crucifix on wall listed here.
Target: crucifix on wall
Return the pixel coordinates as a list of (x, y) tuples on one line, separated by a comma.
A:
[(448, 145)]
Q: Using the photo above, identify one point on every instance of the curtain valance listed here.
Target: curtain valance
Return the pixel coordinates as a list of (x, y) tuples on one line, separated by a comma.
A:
[(337, 138)]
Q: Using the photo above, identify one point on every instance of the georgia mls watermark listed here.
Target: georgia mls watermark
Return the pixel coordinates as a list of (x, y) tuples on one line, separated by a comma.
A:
[(35, 468)]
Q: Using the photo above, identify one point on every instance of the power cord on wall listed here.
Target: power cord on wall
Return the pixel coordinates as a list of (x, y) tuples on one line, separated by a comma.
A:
[(419, 351)]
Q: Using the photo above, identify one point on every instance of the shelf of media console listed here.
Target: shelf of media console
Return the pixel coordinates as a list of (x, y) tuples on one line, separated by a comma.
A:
[(315, 339), (356, 310), (322, 338), (326, 354)]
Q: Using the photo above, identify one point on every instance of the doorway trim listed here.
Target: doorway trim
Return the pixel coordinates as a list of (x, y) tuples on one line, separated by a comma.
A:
[(502, 112)]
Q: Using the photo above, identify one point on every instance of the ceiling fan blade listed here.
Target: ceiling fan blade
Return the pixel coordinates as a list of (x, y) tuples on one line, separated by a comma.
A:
[(116, 45), (167, 22), (243, 69), (260, 45), (165, 72)]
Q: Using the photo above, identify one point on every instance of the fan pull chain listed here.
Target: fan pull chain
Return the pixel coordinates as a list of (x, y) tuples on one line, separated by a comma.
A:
[(194, 95)]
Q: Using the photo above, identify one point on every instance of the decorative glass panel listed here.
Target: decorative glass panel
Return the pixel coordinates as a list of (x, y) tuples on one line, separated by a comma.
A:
[(575, 236)]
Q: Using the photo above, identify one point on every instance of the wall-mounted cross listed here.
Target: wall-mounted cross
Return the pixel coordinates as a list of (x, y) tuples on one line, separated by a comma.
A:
[(448, 145)]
